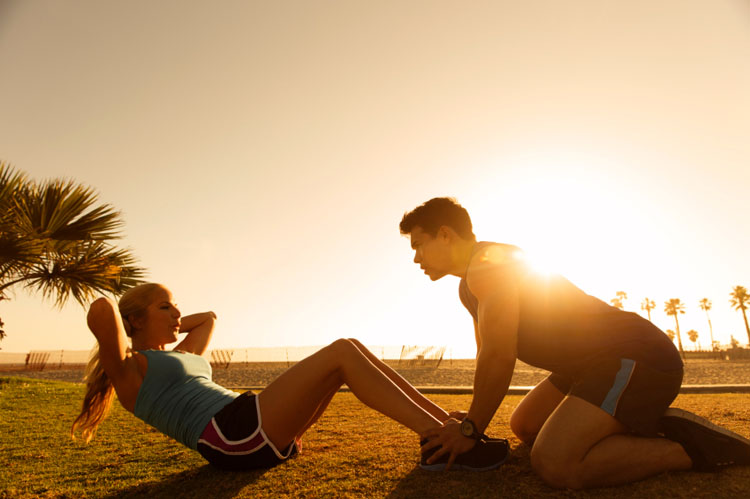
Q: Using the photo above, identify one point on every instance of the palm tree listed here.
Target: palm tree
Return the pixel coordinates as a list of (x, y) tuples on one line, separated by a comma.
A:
[(740, 301), (55, 239), (693, 335), (618, 301), (670, 334), (674, 307), (648, 305), (706, 305)]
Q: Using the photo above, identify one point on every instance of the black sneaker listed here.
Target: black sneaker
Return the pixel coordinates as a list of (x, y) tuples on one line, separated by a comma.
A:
[(485, 455), (710, 446)]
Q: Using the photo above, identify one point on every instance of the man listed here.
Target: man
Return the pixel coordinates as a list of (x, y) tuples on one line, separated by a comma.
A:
[(597, 420)]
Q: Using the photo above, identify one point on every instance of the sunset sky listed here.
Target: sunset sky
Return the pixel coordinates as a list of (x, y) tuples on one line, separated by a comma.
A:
[(263, 153)]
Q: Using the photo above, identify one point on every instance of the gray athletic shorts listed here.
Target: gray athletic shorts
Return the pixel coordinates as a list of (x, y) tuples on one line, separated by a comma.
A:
[(635, 394)]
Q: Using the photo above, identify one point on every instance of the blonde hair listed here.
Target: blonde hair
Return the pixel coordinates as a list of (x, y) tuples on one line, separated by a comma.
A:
[(99, 390)]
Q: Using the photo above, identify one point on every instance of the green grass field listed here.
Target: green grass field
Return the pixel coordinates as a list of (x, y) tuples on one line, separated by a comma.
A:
[(352, 451)]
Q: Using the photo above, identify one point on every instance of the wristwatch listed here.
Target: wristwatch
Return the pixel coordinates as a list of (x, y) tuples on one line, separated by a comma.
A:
[(468, 429)]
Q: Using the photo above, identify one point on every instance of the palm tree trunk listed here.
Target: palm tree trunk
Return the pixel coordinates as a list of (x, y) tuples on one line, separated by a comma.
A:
[(710, 330), (747, 328), (679, 339)]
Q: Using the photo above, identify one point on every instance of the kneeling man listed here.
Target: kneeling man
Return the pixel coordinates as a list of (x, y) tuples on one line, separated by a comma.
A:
[(602, 416)]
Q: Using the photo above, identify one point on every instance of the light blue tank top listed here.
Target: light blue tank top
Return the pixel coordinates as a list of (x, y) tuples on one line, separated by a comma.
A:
[(177, 396)]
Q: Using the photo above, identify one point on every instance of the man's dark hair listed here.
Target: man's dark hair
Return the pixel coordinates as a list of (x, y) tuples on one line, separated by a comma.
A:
[(435, 213)]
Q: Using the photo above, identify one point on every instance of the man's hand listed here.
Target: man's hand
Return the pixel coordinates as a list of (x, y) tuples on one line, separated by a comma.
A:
[(451, 441)]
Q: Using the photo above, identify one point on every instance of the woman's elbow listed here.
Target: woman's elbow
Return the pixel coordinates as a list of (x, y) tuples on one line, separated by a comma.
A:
[(102, 303), (100, 309)]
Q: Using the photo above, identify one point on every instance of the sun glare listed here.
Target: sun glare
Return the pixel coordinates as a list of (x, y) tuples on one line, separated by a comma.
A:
[(565, 214), (541, 263)]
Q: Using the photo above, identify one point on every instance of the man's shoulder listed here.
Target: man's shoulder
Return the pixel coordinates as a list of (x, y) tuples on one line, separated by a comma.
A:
[(494, 267), (489, 255)]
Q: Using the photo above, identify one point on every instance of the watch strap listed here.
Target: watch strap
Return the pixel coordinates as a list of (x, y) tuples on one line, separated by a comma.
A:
[(475, 434)]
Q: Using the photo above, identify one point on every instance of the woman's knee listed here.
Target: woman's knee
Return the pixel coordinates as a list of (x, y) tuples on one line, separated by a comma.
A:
[(343, 349), (356, 343)]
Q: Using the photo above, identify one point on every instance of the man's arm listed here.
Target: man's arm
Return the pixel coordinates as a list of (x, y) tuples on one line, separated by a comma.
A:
[(199, 328), (496, 288), (498, 325), (462, 414), (477, 338)]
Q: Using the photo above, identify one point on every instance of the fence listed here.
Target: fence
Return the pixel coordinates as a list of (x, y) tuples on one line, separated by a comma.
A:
[(421, 356), (219, 358)]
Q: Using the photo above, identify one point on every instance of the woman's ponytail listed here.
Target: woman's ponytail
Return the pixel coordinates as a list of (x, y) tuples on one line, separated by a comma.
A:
[(98, 399)]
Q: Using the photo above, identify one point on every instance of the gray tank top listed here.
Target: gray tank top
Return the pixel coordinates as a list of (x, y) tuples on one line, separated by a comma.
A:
[(177, 396), (564, 330)]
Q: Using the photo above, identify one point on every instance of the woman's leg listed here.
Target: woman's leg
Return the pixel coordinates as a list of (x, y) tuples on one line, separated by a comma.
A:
[(405, 386), (319, 412), (291, 402)]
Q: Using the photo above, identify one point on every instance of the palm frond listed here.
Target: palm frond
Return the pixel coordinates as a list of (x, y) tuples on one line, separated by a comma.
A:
[(95, 268), (674, 306), (54, 239), (10, 183), (16, 254), (739, 298), (62, 211)]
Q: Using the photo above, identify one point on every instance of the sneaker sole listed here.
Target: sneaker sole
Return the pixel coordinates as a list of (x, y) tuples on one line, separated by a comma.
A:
[(736, 447), (705, 423)]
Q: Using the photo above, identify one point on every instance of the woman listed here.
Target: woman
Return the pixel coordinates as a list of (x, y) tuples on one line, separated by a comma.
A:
[(173, 391)]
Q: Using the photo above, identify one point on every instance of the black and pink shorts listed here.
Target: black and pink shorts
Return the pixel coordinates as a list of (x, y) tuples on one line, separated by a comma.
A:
[(234, 439)]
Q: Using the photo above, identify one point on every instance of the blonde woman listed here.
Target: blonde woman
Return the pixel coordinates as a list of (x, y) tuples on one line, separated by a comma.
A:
[(172, 389)]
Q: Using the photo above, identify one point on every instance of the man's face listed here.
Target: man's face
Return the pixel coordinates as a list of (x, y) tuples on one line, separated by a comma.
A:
[(432, 254)]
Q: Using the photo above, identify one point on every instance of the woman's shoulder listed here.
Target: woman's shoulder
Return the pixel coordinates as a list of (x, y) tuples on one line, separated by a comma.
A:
[(139, 361), (131, 378)]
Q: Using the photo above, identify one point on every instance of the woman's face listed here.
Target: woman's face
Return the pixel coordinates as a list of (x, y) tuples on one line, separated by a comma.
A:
[(161, 323)]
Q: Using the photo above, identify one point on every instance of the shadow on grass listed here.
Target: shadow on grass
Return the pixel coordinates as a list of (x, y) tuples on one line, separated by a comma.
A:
[(514, 479), (204, 482)]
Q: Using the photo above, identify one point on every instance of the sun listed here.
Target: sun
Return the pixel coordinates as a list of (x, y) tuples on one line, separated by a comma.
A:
[(568, 219)]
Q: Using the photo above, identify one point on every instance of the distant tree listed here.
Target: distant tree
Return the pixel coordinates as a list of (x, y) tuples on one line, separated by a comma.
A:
[(674, 307), (706, 305), (648, 305), (55, 239), (619, 300), (733, 341), (670, 334), (693, 335), (740, 301)]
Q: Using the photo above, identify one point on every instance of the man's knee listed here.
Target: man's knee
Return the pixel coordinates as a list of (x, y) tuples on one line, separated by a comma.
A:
[(521, 428), (556, 471)]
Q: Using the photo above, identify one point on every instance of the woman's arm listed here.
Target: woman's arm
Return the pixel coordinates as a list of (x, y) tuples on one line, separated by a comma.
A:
[(105, 322), (199, 328)]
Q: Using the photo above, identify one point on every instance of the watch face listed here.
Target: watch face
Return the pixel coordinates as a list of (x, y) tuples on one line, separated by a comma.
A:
[(467, 428)]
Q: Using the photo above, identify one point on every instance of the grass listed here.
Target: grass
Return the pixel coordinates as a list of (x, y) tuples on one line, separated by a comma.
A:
[(352, 451)]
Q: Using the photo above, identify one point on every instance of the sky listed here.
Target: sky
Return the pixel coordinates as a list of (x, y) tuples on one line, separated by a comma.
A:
[(262, 154)]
